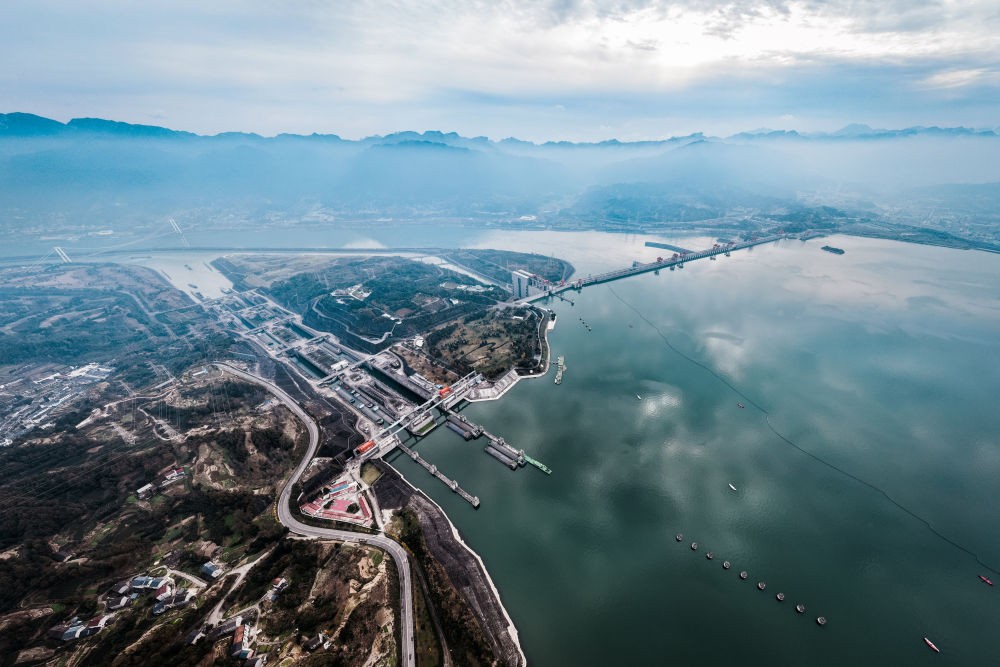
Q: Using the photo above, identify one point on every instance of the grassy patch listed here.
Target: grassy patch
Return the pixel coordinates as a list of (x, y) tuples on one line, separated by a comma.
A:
[(369, 473), (427, 645)]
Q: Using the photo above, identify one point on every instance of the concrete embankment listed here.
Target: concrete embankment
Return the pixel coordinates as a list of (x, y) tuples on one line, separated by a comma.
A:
[(465, 568)]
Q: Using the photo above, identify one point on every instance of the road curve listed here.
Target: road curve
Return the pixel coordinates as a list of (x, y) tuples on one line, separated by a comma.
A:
[(287, 519)]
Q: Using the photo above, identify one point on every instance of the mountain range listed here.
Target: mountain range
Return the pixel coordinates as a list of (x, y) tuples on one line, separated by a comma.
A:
[(19, 124), (93, 171)]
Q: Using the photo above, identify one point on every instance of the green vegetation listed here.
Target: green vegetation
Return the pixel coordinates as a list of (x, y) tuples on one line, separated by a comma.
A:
[(491, 342), (428, 646), (462, 632), (369, 472), (368, 298)]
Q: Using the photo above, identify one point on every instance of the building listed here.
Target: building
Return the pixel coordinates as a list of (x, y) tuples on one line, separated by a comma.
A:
[(229, 626), (145, 491), (177, 600), (77, 629), (150, 583), (212, 570), (238, 638), (521, 282), (119, 589), (117, 602), (315, 642), (164, 591), (57, 631)]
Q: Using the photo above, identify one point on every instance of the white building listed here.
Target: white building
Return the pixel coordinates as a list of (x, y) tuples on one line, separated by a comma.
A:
[(521, 281)]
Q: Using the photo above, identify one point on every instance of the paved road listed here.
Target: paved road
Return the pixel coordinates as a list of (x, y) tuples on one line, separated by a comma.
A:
[(189, 577), (289, 521)]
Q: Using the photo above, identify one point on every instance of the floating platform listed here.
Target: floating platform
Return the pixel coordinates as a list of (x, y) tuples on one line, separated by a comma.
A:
[(501, 457), (515, 455), (463, 427), (461, 431)]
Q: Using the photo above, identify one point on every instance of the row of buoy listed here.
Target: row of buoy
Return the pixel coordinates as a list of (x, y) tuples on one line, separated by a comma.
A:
[(800, 608)]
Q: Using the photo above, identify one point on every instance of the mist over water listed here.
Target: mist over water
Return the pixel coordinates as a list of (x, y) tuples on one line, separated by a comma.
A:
[(876, 361)]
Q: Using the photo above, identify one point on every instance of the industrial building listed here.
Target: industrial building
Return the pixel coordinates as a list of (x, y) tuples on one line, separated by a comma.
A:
[(521, 283)]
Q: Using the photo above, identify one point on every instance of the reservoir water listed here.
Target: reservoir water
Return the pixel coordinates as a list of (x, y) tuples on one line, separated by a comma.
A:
[(881, 364)]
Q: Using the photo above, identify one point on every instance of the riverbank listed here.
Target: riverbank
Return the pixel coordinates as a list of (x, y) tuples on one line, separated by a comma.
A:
[(464, 567)]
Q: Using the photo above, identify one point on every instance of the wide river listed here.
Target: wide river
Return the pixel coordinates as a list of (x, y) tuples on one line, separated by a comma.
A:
[(866, 463), (866, 460)]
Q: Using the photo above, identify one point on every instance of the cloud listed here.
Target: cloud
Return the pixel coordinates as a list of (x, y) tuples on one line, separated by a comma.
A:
[(373, 66), (959, 78)]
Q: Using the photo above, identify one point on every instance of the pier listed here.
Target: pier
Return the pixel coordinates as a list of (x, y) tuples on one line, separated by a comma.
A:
[(433, 469), (560, 368), (498, 448)]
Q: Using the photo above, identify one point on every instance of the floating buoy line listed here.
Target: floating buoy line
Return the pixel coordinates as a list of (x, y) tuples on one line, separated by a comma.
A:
[(744, 575)]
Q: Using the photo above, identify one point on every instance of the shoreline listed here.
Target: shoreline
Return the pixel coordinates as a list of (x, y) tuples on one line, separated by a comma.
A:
[(511, 628), (514, 374)]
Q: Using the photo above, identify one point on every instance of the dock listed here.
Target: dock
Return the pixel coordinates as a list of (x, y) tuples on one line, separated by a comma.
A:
[(500, 456), (501, 446), (498, 448), (433, 469)]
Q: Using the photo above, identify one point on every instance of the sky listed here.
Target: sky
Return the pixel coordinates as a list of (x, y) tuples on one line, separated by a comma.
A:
[(579, 70)]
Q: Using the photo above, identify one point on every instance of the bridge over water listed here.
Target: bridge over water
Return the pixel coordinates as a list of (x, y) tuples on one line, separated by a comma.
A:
[(635, 269)]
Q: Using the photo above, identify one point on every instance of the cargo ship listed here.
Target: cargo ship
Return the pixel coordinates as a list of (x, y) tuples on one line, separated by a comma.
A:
[(538, 464), (835, 251)]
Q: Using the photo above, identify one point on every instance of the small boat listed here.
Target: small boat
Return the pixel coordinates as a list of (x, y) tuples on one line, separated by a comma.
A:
[(821, 620), (731, 486), (638, 397), (780, 597), (800, 608), (761, 585), (709, 555), (694, 546), (679, 537), (740, 404), (743, 574), (986, 580), (725, 565), (931, 644)]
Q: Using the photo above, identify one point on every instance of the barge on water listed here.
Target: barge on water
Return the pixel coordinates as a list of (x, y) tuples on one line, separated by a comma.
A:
[(501, 457), (835, 251)]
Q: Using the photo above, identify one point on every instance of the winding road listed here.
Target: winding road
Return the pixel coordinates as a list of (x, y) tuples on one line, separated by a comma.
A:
[(288, 520)]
